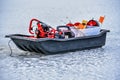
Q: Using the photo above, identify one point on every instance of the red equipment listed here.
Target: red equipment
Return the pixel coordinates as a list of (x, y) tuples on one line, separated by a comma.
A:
[(42, 30), (92, 23), (69, 24)]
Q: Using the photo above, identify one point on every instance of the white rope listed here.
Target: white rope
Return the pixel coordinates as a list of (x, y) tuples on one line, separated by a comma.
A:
[(10, 48)]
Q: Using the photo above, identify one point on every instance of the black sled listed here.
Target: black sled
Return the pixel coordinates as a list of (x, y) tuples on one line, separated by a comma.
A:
[(50, 46)]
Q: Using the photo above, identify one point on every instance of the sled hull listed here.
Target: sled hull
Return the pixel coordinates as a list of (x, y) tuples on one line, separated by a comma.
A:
[(55, 46)]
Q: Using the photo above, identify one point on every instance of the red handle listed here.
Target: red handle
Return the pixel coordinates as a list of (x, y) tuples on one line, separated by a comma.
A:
[(30, 25)]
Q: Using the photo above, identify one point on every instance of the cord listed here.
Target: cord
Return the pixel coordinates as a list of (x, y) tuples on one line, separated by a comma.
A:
[(10, 48)]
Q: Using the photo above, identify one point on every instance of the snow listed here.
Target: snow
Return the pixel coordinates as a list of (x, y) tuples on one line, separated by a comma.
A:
[(96, 64)]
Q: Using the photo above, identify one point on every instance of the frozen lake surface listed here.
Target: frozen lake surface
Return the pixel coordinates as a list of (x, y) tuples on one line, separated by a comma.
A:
[(96, 64)]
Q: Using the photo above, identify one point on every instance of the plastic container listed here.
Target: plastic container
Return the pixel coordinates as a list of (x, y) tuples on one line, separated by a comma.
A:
[(91, 30), (77, 32)]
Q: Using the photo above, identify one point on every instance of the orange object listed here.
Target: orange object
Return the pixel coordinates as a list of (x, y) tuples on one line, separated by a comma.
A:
[(101, 19), (78, 25)]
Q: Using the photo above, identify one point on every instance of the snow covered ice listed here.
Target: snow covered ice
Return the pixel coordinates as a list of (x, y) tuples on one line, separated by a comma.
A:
[(96, 64)]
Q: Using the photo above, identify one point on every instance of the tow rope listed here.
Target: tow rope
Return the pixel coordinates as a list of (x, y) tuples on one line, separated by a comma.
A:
[(11, 52)]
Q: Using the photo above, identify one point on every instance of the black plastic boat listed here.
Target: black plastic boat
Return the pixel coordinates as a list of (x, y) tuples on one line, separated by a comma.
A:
[(54, 46)]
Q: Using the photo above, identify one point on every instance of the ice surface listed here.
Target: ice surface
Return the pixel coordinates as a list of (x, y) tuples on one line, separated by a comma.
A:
[(97, 64)]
